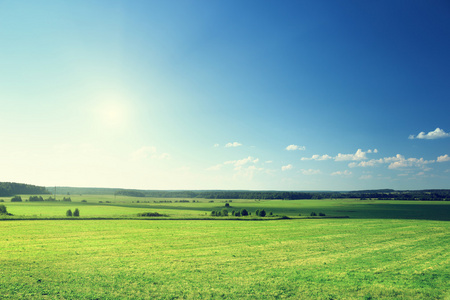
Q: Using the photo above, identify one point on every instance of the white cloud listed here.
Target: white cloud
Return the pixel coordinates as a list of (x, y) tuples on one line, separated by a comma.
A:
[(147, 152), (317, 157), (310, 172), (216, 145), (288, 167), (399, 161), (295, 147), (443, 158), (215, 168), (436, 134), (234, 144), (359, 155), (366, 163), (143, 152), (342, 173), (241, 162)]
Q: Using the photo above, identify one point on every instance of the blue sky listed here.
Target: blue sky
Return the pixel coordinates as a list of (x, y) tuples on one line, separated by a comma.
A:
[(259, 95)]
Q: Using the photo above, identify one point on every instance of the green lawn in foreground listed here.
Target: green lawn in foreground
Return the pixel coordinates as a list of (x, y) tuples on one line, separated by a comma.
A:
[(297, 259)]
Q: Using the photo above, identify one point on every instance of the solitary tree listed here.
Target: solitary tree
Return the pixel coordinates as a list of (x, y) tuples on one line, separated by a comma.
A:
[(76, 212), (3, 209), (68, 213), (262, 213), (244, 212)]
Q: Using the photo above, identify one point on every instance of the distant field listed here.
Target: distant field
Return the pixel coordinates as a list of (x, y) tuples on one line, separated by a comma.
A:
[(297, 259), (131, 206)]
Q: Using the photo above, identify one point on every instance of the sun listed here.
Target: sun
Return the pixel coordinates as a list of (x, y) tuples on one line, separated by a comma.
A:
[(113, 112)]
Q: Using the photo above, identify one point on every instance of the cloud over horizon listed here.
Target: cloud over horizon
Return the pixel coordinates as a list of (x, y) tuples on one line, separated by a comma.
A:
[(432, 135), (295, 147), (234, 144)]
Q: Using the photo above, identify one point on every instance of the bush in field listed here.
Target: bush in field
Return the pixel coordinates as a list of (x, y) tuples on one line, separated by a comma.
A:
[(35, 198), (3, 209), (224, 212), (150, 214), (262, 213), (76, 212), (321, 214), (213, 213), (83, 201), (313, 214), (237, 214), (227, 204), (67, 199), (244, 212), (16, 199), (257, 212), (68, 213)]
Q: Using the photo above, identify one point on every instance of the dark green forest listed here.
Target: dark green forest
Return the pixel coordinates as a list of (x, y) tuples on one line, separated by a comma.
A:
[(11, 188)]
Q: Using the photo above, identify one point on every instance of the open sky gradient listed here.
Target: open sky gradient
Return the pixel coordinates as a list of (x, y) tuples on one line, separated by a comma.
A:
[(260, 95)]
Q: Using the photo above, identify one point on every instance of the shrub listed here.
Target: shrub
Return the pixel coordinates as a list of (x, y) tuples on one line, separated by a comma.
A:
[(237, 214), (227, 204), (224, 212), (150, 214), (244, 212), (213, 213), (313, 214), (257, 212), (321, 214), (262, 213), (83, 201), (3, 209), (68, 213), (35, 198), (67, 199), (1, 200), (76, 212), (16, 199)]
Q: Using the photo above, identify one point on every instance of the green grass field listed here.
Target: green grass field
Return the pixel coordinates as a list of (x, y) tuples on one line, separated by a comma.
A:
[(385, 250)]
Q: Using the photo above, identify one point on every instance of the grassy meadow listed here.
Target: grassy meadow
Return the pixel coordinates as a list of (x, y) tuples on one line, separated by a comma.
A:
[(384, 250)]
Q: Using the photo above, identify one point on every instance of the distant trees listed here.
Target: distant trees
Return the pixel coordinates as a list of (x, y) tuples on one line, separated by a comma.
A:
[(75, 213), (130, 193), (67, 199), (16, 199), (35, 198), (150, 214), (11, 188)]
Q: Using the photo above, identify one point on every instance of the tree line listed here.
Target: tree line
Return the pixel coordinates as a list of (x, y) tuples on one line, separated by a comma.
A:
[(11, 188)]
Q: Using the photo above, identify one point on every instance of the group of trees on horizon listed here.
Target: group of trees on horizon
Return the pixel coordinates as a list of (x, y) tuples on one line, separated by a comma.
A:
[(11, 189)]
